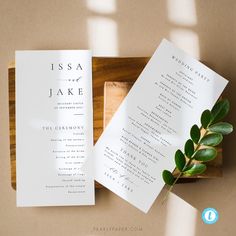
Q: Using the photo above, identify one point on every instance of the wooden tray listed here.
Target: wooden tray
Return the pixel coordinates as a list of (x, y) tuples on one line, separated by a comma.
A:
[(104, 69)]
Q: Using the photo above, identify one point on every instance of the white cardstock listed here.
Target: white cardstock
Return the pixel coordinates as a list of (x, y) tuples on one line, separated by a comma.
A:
[(54, 131), (153, 122)]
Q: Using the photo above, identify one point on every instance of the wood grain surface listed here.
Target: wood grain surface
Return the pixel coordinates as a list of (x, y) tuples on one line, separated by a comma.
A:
[(104, 69)]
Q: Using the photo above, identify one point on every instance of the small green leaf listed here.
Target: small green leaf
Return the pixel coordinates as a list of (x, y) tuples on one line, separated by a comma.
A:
[(206, 154), (220, 110), (189, 148), (195, 169), (205, 118), (168, 177), (212, 139), (179, 160), (222, 128), (195, 134)]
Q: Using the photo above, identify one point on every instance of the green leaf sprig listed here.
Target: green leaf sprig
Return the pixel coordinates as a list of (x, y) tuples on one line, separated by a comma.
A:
[(201, 145)]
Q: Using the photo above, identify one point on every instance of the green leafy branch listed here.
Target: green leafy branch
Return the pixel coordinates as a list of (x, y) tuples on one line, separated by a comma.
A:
[(201, 147)]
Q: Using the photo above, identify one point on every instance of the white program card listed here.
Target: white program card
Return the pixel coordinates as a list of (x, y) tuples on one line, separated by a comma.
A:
[(153, 122), (54, 128)]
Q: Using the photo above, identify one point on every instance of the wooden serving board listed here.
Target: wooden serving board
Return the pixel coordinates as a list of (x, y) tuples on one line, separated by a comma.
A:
[(104, 69), (115, 92)]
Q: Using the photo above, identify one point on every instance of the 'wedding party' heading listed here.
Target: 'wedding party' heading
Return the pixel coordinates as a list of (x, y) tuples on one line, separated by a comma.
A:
[(199, 74)]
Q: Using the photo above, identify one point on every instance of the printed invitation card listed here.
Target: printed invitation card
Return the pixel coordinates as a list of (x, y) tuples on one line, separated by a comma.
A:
[(54, 130), (153, 122)]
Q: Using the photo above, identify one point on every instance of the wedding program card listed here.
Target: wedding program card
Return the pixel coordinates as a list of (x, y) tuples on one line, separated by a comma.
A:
[(54, 131), (153, 122)]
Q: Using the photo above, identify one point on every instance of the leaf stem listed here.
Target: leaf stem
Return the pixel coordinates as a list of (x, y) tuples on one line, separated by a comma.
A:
[(185, 166), (171, 187)]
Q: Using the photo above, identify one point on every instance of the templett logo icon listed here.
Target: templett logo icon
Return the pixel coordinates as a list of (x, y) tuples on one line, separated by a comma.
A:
[(210, 216)]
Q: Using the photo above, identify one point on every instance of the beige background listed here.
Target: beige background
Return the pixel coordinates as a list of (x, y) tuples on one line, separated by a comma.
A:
[(206, 29)]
